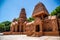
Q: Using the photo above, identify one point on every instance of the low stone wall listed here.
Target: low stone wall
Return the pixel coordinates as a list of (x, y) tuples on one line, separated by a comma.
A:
[(15, 33), (51, 33), (7, 33)]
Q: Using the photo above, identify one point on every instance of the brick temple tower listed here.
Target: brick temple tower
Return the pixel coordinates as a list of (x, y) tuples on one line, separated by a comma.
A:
[(40, 11), (21, 20)]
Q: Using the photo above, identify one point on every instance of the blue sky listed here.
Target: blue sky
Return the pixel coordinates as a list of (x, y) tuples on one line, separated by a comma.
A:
[(10, 9)]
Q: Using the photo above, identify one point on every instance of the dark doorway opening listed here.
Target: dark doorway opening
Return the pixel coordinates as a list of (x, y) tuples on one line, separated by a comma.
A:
[(18, 29), (37, 28)]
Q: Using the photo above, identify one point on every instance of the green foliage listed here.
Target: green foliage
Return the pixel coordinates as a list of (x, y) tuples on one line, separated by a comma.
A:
[(30, 19), (1, 27), (7, 23), (53, 12), (58, 9), (56, 12), (5, 26)]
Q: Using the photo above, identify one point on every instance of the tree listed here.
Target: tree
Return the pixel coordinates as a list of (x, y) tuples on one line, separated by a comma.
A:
[(56, 12), (53, 13), (5, 26), (1, 27), (30, 19)]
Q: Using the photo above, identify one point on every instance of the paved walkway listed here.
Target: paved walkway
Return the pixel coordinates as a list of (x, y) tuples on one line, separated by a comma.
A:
[(24, 37)]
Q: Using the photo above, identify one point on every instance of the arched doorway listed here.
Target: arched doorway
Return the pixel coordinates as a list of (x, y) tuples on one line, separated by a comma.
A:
[(37, 28)]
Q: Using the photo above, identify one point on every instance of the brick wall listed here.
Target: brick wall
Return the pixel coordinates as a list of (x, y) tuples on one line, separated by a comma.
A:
[(47, 25)]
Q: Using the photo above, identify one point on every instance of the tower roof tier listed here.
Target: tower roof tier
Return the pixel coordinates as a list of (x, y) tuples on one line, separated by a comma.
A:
[(39, 10), (22, 13)]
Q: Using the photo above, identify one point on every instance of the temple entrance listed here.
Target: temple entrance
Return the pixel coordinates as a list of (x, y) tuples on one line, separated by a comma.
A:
[(37, 28), (18, 29)]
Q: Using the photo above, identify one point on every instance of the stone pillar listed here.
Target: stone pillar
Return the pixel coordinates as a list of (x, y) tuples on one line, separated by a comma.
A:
[(41, 26), (16, 26), (12, 28), (24, 26), (19, 28)]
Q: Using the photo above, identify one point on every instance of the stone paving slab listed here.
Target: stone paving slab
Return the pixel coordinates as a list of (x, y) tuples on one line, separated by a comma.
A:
[(24, 37)]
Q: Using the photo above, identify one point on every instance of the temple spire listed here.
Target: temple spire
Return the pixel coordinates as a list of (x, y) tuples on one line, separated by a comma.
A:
[(22, 16), (40, 10)]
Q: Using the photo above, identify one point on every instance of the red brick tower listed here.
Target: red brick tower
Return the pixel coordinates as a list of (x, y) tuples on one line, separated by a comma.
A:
[(21, 20), (40, 13)]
